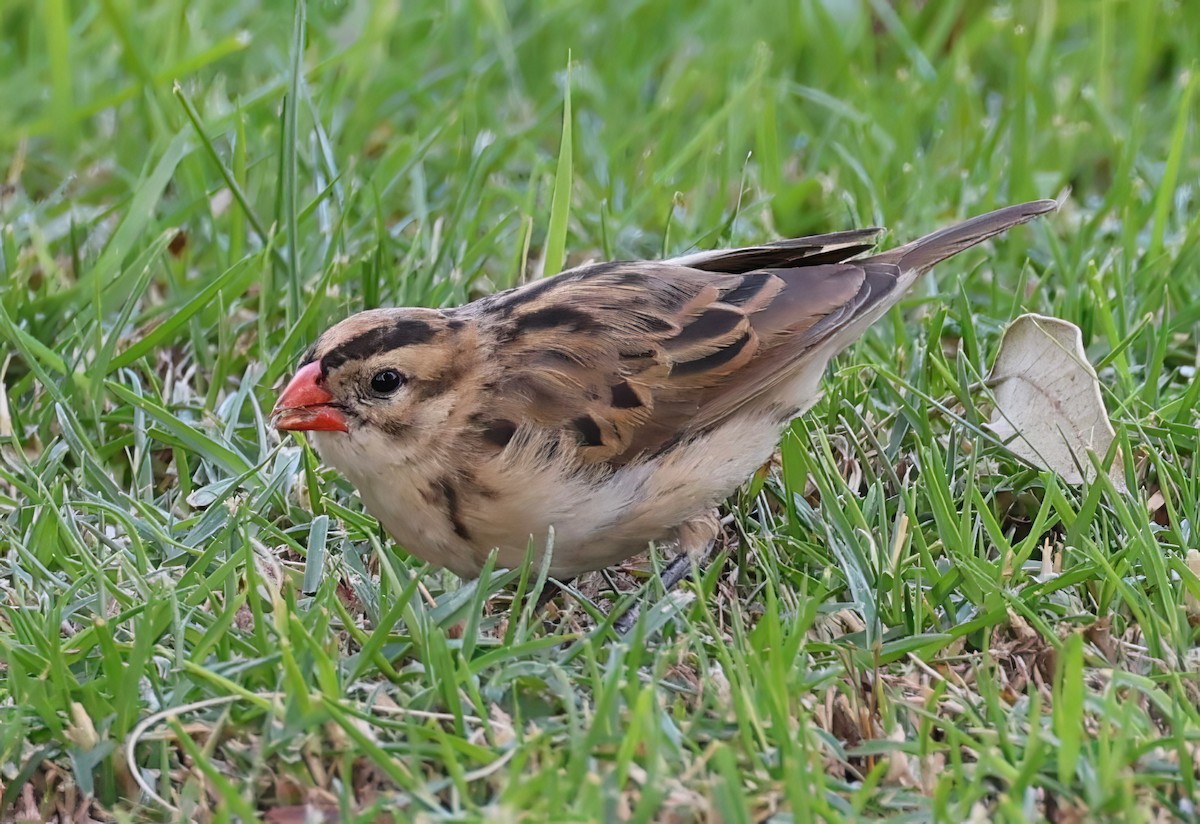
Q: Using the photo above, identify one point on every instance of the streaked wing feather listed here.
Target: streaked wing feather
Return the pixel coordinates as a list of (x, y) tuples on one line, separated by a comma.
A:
[(829, 248), (623, 359), (662, 342)]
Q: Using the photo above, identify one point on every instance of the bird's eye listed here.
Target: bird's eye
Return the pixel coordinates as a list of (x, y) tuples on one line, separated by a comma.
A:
[(386, 381)]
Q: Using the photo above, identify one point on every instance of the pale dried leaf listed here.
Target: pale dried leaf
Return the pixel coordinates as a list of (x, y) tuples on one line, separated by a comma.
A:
[(81, 731), (1049, 410), (899, 769), (220, 202), (1190, 602), (6, 429)]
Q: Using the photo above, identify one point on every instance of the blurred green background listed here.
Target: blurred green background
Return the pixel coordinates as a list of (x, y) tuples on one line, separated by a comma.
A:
[(191, 191)]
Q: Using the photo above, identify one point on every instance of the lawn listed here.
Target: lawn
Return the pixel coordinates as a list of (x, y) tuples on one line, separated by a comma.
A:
[(905, 621)]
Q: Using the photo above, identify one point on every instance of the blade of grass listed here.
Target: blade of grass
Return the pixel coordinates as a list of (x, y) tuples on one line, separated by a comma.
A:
[(290, 161), (560, 203), (1165, 194)]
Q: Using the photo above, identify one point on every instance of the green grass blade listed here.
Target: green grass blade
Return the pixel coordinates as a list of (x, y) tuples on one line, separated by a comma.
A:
[(560, 203)]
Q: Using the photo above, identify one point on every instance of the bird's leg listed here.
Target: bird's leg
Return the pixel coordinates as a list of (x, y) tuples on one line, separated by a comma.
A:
[(549, 590), (694, 539), (676, 570)]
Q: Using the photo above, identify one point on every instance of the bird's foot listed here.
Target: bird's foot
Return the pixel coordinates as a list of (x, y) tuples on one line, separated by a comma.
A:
[(696, 538)]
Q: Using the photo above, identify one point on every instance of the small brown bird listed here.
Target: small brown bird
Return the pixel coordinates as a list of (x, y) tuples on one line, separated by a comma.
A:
[(617, 403)]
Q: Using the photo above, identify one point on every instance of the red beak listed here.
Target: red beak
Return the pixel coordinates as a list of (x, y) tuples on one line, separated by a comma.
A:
[(306, 406)]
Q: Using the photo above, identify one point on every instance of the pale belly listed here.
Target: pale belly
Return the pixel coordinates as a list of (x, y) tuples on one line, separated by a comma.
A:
[(597, 519)]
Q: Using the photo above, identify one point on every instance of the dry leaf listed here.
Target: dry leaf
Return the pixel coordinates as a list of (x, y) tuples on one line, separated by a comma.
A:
[(1048, 405), (899, 769), (1190, 602), (6, 429)]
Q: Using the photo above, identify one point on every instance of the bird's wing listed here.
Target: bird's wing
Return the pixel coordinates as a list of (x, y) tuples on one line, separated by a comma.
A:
[(626, 358)]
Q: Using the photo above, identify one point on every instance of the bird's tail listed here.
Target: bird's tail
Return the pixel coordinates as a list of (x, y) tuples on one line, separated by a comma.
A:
[(921, 254)]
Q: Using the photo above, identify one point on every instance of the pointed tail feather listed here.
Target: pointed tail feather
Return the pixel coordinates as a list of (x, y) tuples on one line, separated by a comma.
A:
[(884, 286), (923, 253)]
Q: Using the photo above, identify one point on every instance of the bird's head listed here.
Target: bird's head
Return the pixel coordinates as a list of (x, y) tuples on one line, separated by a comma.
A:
[(390, 370)]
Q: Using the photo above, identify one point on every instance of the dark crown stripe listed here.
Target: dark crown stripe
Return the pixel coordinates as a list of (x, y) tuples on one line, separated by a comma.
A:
[(405, 332)]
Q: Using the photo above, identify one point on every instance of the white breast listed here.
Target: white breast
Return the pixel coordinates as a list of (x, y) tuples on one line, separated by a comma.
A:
[(396, 486), (599, 517), (602, 519)]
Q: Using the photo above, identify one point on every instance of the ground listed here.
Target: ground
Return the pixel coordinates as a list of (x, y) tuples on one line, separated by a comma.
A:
[(905, 622)]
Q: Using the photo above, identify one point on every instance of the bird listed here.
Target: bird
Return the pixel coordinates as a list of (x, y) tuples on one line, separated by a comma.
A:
[(613, 406)]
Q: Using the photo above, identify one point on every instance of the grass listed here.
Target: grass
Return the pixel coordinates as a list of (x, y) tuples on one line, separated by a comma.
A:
[(906, 622)]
